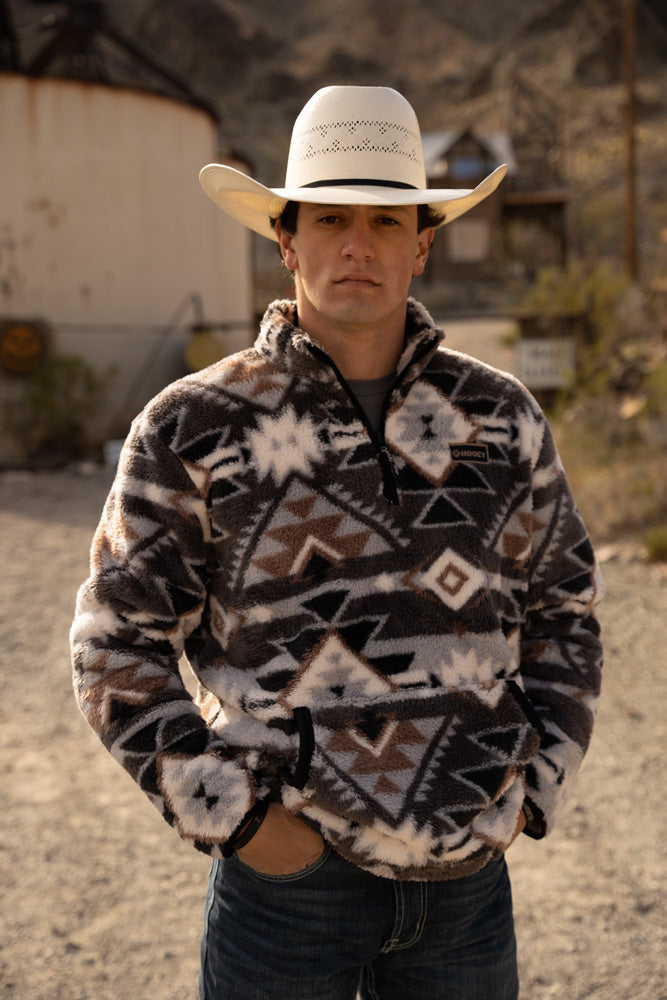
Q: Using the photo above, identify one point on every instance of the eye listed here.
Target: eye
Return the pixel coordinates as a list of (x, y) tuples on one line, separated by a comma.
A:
[(329, 219), (388, 220)]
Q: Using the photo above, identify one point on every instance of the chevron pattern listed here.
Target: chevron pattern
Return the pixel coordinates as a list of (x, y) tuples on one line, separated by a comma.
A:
[(248, 527)]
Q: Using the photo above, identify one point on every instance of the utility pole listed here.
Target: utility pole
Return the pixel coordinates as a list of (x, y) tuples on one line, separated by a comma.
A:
[(629, 35)]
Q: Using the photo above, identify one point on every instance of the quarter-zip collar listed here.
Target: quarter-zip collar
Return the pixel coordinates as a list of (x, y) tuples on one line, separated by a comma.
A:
[(291, 349)]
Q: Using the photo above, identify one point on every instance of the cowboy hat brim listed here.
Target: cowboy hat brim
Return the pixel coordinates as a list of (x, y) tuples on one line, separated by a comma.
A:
[(253, 205)]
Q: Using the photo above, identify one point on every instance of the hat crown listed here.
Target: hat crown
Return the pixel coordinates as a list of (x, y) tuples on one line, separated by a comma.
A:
[(367, 135)]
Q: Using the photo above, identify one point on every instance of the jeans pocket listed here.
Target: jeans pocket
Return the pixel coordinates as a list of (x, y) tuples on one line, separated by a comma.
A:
[(302, 873)]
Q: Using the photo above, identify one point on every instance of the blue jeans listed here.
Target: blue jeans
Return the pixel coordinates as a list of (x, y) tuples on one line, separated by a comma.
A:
[(335, 932)]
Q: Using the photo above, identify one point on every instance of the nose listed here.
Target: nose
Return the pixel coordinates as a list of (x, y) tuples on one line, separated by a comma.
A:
[(358, 243)]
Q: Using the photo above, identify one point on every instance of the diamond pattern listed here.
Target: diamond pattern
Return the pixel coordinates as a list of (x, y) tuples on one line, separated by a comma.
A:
[(250, 527)]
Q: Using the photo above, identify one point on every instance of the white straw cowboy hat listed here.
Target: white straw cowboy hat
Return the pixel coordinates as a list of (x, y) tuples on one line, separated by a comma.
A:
[(350, 146)]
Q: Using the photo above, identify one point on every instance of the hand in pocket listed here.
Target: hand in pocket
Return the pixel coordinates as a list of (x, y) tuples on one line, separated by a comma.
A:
[(283, 845)]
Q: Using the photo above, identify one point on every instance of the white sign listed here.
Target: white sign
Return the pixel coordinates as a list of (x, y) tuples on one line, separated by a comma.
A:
[(547, 363)]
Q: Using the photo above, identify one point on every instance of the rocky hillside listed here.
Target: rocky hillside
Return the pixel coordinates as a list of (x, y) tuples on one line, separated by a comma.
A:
[(257, 61)]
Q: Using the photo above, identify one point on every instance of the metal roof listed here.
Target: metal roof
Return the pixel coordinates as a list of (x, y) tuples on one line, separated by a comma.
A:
[(498, 145)]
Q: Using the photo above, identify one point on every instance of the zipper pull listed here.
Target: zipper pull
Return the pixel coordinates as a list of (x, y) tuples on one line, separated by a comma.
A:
[(389, 489), (388, 478)]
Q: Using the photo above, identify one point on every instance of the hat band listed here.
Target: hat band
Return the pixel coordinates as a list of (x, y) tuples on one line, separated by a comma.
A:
[(365, 181)]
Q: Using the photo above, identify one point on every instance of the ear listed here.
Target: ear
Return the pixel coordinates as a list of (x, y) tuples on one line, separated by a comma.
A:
[(424, 241), (287, 251)]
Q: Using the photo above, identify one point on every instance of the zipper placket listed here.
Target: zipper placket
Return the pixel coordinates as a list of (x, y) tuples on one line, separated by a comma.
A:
[(389, 486)]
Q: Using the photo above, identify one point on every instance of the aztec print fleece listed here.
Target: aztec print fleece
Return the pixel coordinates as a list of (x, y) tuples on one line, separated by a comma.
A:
[(393, 635)]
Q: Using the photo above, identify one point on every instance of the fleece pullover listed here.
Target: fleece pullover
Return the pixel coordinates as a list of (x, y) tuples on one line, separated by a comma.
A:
[(393, 632)]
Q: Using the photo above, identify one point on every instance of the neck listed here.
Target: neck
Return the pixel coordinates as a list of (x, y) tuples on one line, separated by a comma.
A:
[(363, 359), (359, 351)]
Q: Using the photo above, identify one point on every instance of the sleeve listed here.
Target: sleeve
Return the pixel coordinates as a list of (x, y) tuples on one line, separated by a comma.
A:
[(144, 596), (561, 651)]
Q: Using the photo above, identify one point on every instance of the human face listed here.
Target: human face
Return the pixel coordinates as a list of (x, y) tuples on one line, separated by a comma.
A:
[(352, 267)]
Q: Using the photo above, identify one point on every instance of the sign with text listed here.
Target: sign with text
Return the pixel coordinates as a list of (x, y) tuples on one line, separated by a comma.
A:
[(546, 363)]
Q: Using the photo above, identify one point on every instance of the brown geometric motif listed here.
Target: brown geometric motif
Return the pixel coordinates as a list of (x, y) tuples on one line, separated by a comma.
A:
[(517, 538), (308, 525), (382, 755), (453, 579), (268, 385), (455, 752), (135, 685)]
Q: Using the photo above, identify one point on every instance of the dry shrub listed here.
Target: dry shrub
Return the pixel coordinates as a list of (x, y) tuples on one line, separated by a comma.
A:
[(611, 425)]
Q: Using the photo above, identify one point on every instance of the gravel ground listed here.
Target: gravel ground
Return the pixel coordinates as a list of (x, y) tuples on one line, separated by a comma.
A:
[(101, 901)]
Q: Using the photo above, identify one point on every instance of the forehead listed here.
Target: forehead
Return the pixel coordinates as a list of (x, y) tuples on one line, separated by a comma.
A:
[(311, 209)]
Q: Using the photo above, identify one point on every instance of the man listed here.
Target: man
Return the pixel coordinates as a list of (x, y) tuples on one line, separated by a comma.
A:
[(366, 547)]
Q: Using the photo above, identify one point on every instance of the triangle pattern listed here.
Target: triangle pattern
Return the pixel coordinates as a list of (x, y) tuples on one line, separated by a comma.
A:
[(443, 510), (308, 534), (327, 605), (467, 477)]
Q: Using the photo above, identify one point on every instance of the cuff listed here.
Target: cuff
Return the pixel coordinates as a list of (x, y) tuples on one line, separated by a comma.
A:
[(536, 826), (246, 829)]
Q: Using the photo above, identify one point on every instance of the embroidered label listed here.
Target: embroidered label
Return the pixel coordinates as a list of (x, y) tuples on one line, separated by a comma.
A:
[(469, 452)]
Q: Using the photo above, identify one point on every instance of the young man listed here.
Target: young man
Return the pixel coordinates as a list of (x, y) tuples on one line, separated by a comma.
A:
[(367, 549)]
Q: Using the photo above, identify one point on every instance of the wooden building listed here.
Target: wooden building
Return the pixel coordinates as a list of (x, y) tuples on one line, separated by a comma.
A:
[(470, 247), (523, 225)]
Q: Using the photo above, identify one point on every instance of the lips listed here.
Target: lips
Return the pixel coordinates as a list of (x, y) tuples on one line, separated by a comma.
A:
[(357, 279)]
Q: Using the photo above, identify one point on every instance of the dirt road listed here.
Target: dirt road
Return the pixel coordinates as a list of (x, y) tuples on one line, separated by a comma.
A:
[(99, 900)]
